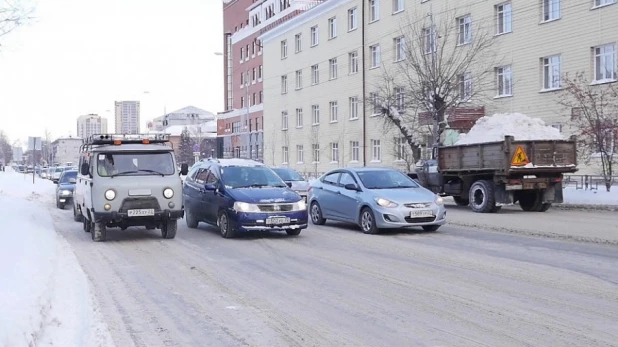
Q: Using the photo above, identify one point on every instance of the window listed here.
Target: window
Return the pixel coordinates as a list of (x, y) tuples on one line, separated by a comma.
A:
[(315, 74), (400, 48), (242, 53), (332, 63), (286, 154), (261, 97), (354, 150), (334, 152), (242, 80), (299, 79), (400, 102), (284, 84), (397, 6), (260, 72), (284, 49), (332, 178), (465, 86), (504, 18), (375, 103), (504, 81), (401, 149), (599, 3), (298, 43), (376, 150), (332, 28), (253, 49), (299, 118), (316, 152), (253, 75), (605, 63), (375, 55), (374, 10), (315, 113), (429, 40), (551, 72), (346, 178), (300, 155), (551, 10), (315, 36), (333, 108), (352, 19), (353, 62), (242, 101), (464, 30), (284, 120), (353, 107)]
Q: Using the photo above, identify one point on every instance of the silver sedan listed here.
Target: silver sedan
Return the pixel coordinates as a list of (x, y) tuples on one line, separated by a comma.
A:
[(374, 199)]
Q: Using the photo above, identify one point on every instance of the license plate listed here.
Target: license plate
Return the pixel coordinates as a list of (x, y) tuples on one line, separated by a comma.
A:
[(62, 200), (277, 220), (141, 213), (421, 214)]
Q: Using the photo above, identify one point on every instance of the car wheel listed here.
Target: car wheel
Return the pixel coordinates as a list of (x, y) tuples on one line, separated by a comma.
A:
[(431, 227), (168, 228), (76, 217), (316, 214), (190, 219), (293, 232), (225, 227), (368, 221), (98, 231)]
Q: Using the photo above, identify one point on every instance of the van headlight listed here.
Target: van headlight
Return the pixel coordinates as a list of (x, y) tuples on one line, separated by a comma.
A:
[(439, 200), (110, 194), (245, 207), (299, 205), (168, 193)]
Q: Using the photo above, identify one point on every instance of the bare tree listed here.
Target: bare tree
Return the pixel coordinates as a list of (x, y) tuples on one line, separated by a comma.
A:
[(441, 64), (594, 116), (404, 155), (13, 13), (270, 144), (47, 147)]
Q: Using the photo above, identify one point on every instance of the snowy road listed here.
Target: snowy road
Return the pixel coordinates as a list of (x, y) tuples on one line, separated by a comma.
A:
[(334, 286)]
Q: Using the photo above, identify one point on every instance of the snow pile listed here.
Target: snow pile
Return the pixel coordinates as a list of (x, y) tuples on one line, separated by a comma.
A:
[(494, 128), (45, 297), (573, 196)]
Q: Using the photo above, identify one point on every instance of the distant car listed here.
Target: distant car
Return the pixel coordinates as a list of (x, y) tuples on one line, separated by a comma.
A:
[(294, 180), (56, 173), (374, 199), (65, 188), (240, 195)]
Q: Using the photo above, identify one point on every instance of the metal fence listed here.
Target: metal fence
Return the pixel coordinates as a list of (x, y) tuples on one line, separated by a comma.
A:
[(587, 182)]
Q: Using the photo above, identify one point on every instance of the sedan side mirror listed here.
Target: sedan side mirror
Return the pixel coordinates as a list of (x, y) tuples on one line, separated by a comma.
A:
[(351, 186), (289, 184), (55, 181), (184, 169), (85, 169)]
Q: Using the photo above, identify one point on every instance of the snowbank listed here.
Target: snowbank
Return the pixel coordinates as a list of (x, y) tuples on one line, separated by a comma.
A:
[(45, 297), (574, 196), (494, 128)]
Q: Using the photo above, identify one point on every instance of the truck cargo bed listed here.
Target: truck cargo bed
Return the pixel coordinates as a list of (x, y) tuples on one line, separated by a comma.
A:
[(506, 157)]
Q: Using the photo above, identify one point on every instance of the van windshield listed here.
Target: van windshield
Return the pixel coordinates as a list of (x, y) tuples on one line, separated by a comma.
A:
[(135, 164)]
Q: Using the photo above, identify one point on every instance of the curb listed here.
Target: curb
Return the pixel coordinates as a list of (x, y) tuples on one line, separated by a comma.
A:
[(582, 207)]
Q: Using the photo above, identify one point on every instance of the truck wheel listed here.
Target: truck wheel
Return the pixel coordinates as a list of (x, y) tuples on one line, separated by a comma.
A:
[(461, 201), (190, 219), (482, 198), (168, 228), (76, 217), (225, 227), (87, 224), (98, 231), (530, 201), (544, 207), (368, 221)]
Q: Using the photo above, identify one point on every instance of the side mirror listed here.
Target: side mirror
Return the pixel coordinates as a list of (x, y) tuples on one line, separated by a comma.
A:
[(55, 181), (289, 184), (184, 169), (209, 186), (351, 186), (85, 169)]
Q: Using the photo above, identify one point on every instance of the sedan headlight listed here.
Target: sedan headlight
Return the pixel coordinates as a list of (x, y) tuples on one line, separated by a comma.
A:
[(439, 200), (65, 192), (110, 195), (168, 193), (245, 207), (385, 203)]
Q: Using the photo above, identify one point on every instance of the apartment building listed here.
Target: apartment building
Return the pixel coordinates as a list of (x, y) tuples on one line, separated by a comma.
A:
[(90, 124), (535, 44), (65, 150), (239, 128), (127, 114), (189, 115)]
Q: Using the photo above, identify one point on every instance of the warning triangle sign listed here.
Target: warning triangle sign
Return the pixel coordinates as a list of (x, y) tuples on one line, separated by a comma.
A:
[(520, 158)]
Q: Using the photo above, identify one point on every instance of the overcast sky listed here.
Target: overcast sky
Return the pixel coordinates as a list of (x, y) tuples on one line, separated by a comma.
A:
[(79, 56)]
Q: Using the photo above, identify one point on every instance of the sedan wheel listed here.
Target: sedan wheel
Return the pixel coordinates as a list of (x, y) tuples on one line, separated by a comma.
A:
[(316, 214), (367, 221)]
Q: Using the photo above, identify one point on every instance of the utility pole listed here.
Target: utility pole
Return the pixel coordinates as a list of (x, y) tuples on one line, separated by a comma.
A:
[(433, 36)]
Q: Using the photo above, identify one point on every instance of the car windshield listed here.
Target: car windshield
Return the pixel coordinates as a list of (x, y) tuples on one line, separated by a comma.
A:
[(385, 179), (288, 174), (59, 169), (135, 164), (66, 178), (250, 177)]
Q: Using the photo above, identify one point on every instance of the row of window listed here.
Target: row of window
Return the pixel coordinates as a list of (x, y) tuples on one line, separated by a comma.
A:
[(253, 76), (333, 111)]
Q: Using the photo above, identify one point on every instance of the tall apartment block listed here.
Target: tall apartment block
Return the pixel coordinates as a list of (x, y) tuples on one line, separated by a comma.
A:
[(127, 117), (90, 124), (239, 128)]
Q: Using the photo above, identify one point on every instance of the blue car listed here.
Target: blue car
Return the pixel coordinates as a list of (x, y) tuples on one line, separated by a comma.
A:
[(65, 188), (240, 195)]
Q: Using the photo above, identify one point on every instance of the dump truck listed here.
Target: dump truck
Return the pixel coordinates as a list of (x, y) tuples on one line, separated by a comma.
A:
[(487, 176)]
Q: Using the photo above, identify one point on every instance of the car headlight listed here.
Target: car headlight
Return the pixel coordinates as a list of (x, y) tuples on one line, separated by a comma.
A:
[(245, 207), (385, 203), (168, 193), (110, 195), (300, 205), (65, 192), (439, 200)]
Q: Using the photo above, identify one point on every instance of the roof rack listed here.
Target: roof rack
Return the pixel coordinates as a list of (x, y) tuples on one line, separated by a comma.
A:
[(119, 139)]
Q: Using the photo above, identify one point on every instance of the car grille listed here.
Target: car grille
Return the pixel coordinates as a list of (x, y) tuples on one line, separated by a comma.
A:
[(418, 205), (140, 203), (420, 220), (275, 207)]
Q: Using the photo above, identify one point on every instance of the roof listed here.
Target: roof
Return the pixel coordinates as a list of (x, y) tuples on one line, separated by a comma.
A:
[(186, 112)]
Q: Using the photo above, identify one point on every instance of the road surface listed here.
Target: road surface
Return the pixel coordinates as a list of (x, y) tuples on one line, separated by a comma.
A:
[(334, 286)]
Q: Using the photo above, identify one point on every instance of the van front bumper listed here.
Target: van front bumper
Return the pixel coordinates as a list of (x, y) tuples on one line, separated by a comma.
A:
[(245, 222), (119, 217)]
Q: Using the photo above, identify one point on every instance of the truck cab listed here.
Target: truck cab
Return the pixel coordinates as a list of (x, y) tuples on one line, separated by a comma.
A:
[(126, 181)]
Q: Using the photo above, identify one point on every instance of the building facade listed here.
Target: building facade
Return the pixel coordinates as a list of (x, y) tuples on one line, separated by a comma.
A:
[(90, 124), (535, 46), (189, 115), (65, 150), (240, 127), (127, 116)]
